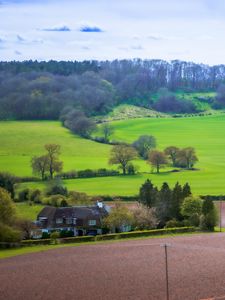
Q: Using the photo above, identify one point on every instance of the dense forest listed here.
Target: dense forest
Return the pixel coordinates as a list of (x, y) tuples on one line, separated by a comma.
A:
[(46, 90)]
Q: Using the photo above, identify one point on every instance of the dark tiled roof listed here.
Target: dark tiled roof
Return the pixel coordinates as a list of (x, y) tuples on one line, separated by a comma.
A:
[(79, 212)]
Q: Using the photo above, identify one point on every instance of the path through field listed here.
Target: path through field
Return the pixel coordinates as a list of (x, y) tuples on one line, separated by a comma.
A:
[(123, 270)]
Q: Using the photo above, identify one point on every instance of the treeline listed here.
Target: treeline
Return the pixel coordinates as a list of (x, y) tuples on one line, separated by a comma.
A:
[(177, 206), (48, 90)]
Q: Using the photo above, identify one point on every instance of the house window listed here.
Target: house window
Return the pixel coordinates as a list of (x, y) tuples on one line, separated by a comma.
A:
[(74, 221), (92, 222), (59, 221), (69, 220)]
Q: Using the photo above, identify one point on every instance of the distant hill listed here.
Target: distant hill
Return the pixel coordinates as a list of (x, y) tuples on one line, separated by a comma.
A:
[(32, 90)]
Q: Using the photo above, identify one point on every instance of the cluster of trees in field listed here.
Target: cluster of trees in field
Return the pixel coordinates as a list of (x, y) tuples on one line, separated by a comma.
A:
[(48, 165), (164, 207), (123, 155), (49, 90)]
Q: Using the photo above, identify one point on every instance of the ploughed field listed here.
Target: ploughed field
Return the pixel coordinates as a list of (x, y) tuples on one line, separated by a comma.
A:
[(22, 140), (121, 270)]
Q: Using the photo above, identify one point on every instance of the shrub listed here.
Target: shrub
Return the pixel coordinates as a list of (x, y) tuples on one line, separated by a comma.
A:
[(55, 200), (44, 241), (194, 220), (45, 235), (66, 233), (173, 224), (79, 239), (54, 236), (23, 195), (209, 215), (86, 173), (9, 234), (35, 196)]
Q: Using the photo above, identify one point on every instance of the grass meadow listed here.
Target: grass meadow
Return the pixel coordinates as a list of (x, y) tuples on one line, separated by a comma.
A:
[(21, 140)]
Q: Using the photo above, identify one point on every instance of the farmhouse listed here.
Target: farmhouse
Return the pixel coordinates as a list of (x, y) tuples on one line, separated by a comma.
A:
[(77, 220)]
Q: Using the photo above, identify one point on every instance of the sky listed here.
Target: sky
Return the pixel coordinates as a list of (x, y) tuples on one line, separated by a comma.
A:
[(190, 30)]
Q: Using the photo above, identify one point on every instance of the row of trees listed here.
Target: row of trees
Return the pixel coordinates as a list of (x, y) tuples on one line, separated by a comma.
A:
[(122, 155), (164, 207), (48, 164), (177, 206), (182, 158)]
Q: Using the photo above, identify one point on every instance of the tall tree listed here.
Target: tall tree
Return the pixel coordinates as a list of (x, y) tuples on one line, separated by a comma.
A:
[(144, 217), (122, 155), (163, 204), (107, 131), (177, 200), (118, 217), (53, 152), (209, 215), (148, 194), (157, 159), (40, 165), (187, 157), (186, 190), (172, 153), (7, 208), (7, 182), (144, 144)]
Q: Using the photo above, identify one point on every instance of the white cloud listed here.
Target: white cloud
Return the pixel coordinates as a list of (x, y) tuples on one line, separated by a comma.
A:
[(187, 29)]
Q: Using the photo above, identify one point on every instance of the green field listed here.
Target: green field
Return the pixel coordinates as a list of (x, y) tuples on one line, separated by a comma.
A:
[(21, 140), (28, 212)]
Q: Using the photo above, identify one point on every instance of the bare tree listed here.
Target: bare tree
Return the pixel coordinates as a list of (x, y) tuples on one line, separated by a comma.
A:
[(157, 159), (187, 157), (172, 153), (40, 165), (144, 144), (122, 155), (107, 131), (55, 165)]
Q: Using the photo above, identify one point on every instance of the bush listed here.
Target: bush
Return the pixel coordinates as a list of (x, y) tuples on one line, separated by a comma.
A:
[(55, 200), (79, 239), (35, 242), (35, 196), (54, 236), (66, 233), (45, 235), (209, 216), (57, 190), (9, 234), (23, 195), (86, 173), (194, 220), (173, 224)]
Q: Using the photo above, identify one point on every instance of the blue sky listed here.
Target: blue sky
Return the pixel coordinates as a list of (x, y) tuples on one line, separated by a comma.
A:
[(191, 30)]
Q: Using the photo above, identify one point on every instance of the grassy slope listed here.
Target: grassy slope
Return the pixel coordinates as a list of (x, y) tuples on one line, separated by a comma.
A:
[(22, 140), (28, 212), (206, 134)]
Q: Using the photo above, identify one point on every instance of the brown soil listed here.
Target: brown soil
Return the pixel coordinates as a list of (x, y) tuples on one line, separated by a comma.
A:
[(123, 270)]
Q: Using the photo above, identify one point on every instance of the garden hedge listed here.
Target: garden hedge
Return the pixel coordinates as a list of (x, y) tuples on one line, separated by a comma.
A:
[(112, 236)]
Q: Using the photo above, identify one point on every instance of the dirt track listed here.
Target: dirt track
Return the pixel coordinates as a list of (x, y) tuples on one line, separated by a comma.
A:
[(123, 270)]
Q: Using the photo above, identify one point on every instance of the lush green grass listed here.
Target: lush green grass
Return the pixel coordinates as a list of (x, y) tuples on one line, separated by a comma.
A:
[(22, 140), (26, 211)]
